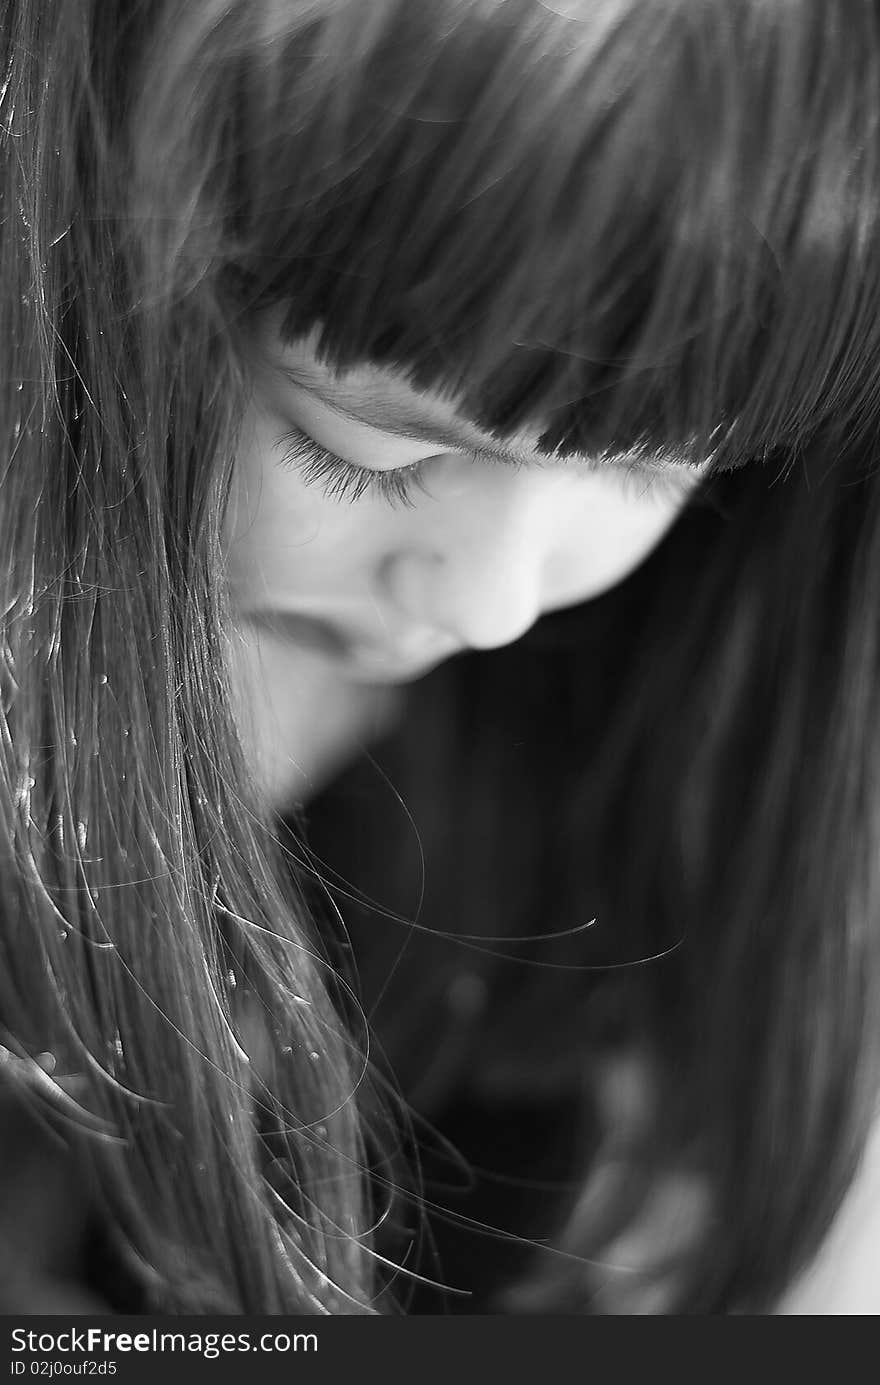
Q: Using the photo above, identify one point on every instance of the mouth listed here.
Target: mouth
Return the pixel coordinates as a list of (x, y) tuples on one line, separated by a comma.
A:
[(367, 667), (362, 661), (306, 632)]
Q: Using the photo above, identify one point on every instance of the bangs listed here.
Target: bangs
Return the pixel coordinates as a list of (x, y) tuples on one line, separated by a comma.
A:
[(641, 227)]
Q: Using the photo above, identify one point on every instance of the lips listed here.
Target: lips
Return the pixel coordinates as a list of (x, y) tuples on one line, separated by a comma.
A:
[(307, 632), (398, 669), (408, 657)]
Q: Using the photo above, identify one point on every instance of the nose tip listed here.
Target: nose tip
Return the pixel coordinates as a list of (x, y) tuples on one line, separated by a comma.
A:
[(482, 609), (491, 624)]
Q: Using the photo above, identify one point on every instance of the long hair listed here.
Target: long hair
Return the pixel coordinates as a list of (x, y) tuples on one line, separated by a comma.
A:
[(149, 936), (641, 227)]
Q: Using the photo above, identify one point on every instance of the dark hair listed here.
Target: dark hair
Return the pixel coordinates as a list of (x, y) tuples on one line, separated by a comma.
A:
[(148, 929), (638, 226)]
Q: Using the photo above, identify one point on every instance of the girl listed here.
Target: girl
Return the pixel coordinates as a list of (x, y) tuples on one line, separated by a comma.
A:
[(345, 337)]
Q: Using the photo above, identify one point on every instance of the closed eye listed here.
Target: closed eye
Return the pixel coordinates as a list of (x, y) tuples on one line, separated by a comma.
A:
[(345, 481)]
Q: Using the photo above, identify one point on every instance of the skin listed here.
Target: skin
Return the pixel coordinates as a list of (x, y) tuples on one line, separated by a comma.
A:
[(341, 601)]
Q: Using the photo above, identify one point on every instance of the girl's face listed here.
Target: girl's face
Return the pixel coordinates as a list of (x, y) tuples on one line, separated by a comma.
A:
[(372, 533), (371, 525)]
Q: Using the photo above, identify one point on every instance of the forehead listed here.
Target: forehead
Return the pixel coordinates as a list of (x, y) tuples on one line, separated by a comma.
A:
[(375, 401), (384, 400)]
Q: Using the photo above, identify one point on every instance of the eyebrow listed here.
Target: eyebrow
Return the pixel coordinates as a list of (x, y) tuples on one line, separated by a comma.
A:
[(405, 420)]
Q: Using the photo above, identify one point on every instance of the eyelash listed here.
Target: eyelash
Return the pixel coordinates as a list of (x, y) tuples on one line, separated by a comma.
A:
[(345, 482)]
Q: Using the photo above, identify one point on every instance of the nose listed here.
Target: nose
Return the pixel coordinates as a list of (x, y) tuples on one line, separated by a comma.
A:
[(478, 574)]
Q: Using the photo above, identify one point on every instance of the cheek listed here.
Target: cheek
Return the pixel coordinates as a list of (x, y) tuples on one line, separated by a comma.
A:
[(617, 530), (283, 537), (261, 519)]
